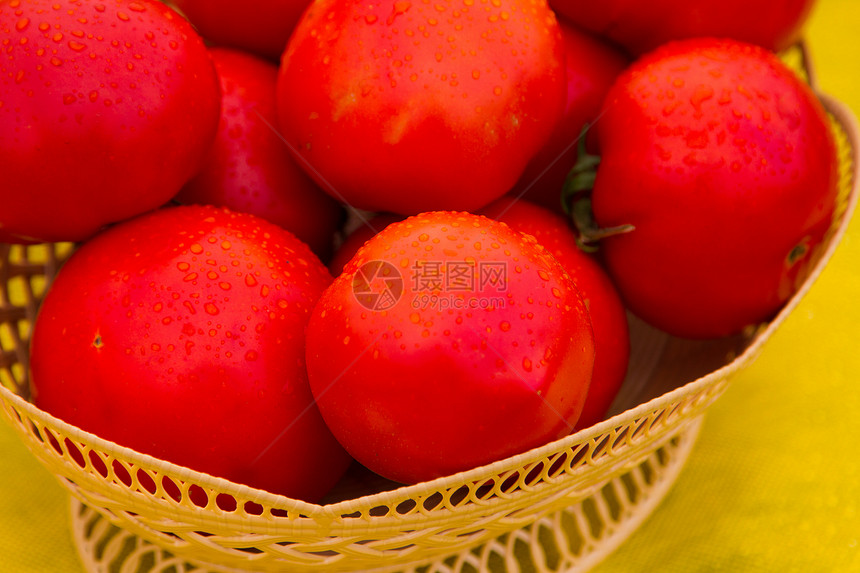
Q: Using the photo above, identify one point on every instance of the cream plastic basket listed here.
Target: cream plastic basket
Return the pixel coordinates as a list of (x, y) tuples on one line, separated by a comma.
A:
[(561, 507)]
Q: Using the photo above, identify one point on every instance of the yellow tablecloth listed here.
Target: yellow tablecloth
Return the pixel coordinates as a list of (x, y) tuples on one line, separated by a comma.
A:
[(774, 481)]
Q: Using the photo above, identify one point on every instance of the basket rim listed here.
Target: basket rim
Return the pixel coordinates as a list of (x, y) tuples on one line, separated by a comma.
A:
[(844, 116)]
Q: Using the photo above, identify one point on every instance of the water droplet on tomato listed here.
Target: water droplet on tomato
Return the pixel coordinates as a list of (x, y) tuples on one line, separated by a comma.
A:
[(210, 308), (251, 355), (701, 94), (527, 365), (505, 326), (22, 24)]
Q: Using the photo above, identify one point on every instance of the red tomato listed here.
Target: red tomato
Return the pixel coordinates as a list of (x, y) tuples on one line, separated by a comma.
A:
[(448, 342), (259, 26), (250, 169), (106, 110), (180, 334), (364, 231), (592, 65), (409, 106), (607, 312), (642, 26), (724, 163)]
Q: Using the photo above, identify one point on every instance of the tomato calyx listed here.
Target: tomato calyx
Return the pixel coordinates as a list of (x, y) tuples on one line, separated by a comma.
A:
[(576, 200)]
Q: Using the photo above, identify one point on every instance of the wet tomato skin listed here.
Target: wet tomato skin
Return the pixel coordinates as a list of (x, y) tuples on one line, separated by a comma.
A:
[(249, 168), (394, 117), (107, 110), (425, 388), (724, 163), (601, 298), (180, 334)]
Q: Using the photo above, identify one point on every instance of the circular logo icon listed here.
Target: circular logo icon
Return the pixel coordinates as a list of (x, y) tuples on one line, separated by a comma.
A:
[(377, 285)]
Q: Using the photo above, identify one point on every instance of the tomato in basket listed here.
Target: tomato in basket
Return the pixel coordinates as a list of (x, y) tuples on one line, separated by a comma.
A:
[(591, 65), (607, 312), (723, 162), (106, 110), (642, 26), (249, 168), (180, 334), (448, 342), (410, 106)]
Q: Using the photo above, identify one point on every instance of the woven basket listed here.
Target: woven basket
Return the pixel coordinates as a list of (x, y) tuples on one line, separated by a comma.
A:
[(561, 507)]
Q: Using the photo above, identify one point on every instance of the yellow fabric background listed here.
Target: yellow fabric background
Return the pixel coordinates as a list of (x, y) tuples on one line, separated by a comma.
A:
[(774, 481)]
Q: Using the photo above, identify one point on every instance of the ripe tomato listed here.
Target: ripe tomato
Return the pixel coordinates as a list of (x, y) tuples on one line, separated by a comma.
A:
[(448, 342), (180, 334), (642, 26), (260, 26), (106, 110), (591, 65), (410, 106), (607, 312), (249, 168), (724, 163)]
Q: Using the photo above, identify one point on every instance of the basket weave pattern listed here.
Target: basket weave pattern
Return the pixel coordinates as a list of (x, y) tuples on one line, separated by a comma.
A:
[(561, 507)]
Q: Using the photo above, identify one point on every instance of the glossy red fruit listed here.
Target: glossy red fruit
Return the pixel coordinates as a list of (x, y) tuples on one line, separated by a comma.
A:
[(642, 26), (180, 334), (591, 66), (409, 106), (448, 342), (250, 168), (724, 163), (607, 312), (106, 110)]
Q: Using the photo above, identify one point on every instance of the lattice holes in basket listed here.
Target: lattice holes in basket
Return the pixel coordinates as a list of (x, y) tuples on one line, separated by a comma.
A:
[(560, 507)]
